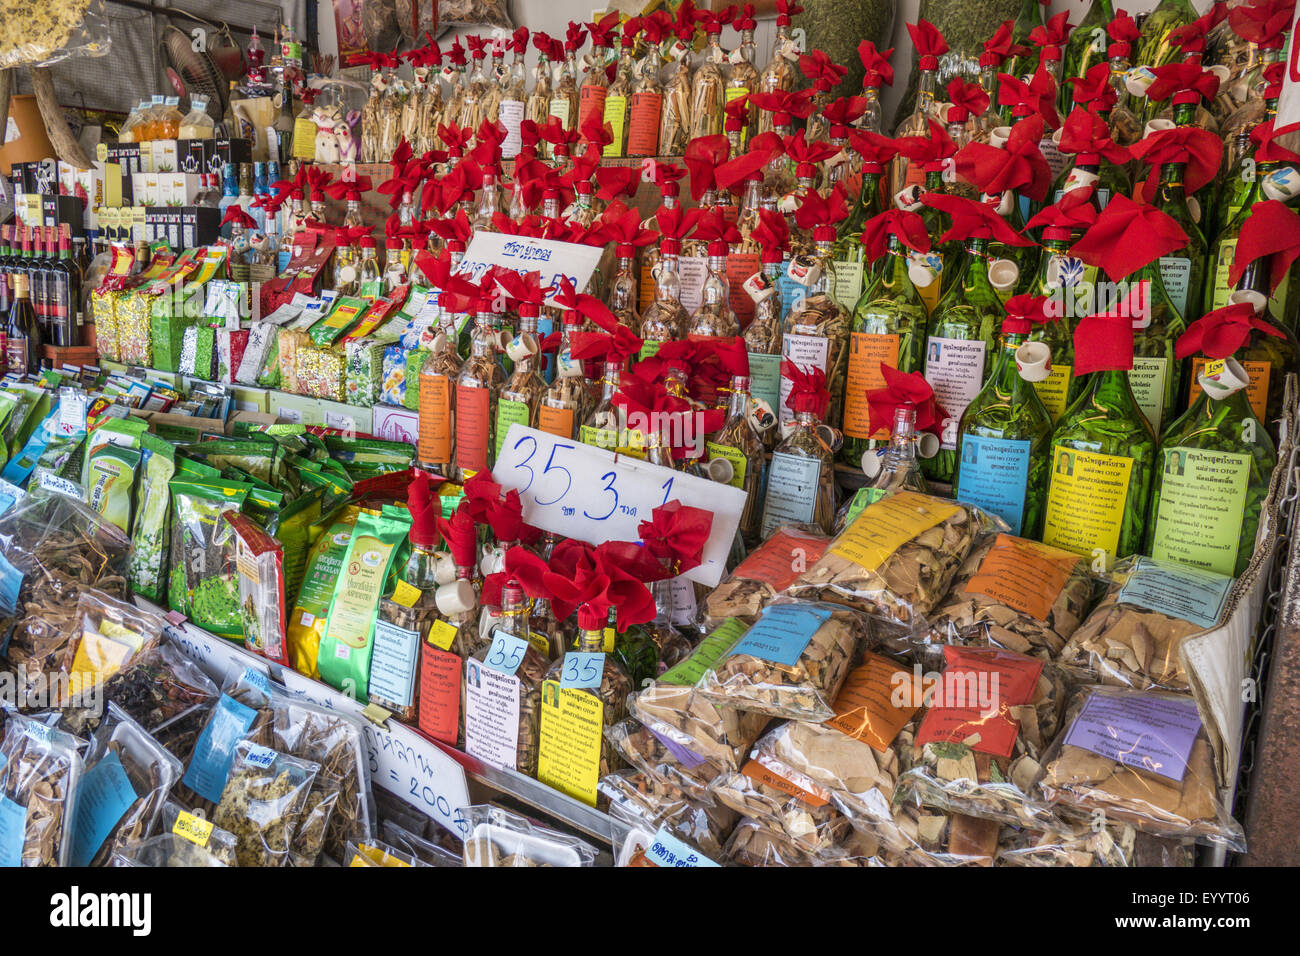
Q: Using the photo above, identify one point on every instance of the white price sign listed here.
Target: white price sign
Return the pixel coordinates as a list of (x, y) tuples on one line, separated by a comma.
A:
[(554, 260), (582, 492), (1288, 105)]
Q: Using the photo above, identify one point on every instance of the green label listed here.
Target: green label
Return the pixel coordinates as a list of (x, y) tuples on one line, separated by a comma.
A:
[(649, 349), (1055, 390), (1147, 380), (765, 379), (508, 413), (848, 283), (861, 499), (706, 656), (605, 438), (733, 455), (1202, 501)]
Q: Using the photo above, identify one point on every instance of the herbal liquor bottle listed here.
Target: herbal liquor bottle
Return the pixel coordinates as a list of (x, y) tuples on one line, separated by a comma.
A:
[(675, 116), (888, 326), (477, 389), (1182, 272), (538, 105), (618, 96), (1086, 46), (1002, 443), (438, 377), (816, 331), (514, 99), (646, 105), (742, 76), (1027, 20), (800, 479), (1223, 252), (707, 86), (900, 468), (1213, 471), (903, 171), (781, 72), (1061, 279), (522, 395), (595, 87), (763, 334), (564, 406), (714, 317), (742, 447), (850, 257), (623, 292), (564, 93), (1157, 374), (666, 319), (604, 427), (584, 692), (1099, 477), (959, 349)]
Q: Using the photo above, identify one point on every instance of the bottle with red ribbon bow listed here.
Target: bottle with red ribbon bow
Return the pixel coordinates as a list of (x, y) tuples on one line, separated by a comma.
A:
[(742, 74), (666, 319), (781, 74), (763, 334), (874, 153), (620, 90), (877, 73), (1243, 133), (1261, 28), (478, 386), (1125, 126), (1216, 461), (904, 409), (564, 92), (477, 85), (537, 107), (707, 85), (675, 116), (595, 82), (930, 45), (1158, 44), (1098, 161), (1103, 447), (439, 374), (645, 108), (521, 397), (1005, 433), (1024, 58), (714, 317), (514, 96), (801, 475), (1087, 44), (741, 445)]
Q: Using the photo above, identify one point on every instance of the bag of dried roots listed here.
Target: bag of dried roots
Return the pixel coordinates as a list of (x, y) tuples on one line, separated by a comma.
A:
[(40, 769), (649, 801), (263, 802)]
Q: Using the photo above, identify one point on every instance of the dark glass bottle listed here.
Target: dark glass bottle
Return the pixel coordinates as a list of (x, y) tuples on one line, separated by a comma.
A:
[(65, 297), (23, 335), (6, 262)]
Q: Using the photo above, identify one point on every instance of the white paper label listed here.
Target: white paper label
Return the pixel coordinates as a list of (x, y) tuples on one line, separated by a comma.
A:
[(792, 490), (806, 351), (955, 370), (491, 715)]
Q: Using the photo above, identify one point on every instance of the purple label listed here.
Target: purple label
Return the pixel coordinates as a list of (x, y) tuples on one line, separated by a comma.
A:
[(685, 756), (1150, 733)]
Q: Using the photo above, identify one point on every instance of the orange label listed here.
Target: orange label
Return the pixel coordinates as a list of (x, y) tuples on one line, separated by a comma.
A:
[(555, 421), (866, 351), (439, 710), (591, 99), (780, 559), (1256, 391), (756, 771), (865, 708), (643, 124), (740, 266), (1023, 575), (472, 426), (435, 419), (646, 287)]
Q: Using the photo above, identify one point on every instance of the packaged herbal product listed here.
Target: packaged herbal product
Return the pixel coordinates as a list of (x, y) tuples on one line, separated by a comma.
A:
[(1150, 608), (375, 853), (259, 567), (666, 763), (649, 801), (203, 585), (347, 639), (498, 838), (111, 472), (769, 569), (167, 694), (311, 604), (147, 567), (106, 635), (184, 840), (42, 769), (418, 848), (263, 802), (1139, 757)]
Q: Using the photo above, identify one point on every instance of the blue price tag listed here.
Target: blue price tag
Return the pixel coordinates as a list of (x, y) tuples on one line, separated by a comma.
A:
[(667, 850), (506, 653), (257, 679), (13, 822), (210, 764), (582, 669), (782, 633), (105, 793)]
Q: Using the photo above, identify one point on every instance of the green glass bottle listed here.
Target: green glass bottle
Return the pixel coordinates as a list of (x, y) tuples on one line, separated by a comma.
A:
[(1061, 279), (1156, 377), (1003, 444), (1090, 170), (1215, 465), (1182, 271), (1029, 17), (961, 344), (851, 268), (889, 323), (1025, 257), (1156, 47), (943, 259), (1086, 46), (1100, 472)]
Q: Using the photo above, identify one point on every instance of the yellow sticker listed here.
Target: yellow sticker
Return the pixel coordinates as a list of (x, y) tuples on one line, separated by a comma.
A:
[(1085, 501), (406, 594), (441, 634), (195, 829), (609, 640), (568, 756), (1055, 390), (374, 856), (123, 635), (1216, 367), (99, 656), (884, 527), (539, 643)]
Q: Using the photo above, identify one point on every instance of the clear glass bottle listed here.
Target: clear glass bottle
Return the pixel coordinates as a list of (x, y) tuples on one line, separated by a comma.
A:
[(523, 391), (618, 97), (900, 469), (800, 479), (675, 115), (816, 330), (480, 382), (538, 105), (604, 426), (739, 444), (743, 78), (666, 319), (903, 172), (707, 86), (781, 72), (714, 318), (565, 405), (623, 295), (438, 377), (645, 112), (564, 93)]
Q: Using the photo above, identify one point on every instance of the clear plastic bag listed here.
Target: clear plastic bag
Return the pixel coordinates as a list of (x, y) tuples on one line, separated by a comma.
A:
[(499, 838), (1116, 844), (1138, 757), (107, 635), (753, 843), (769, 569), (375, 853), (641, 748), (1133, 636), (39, 773), (979, 745), (426, 851), (1015, 594), (790, 663), (309, 839), (650, 801), (205, 845), (896, 560), (39, 34), (765, 792), (263, 802), (493, 13), (150, 771)]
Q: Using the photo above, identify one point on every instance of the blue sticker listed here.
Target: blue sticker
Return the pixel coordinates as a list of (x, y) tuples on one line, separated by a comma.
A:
[(103, 796), (782, 633), (210, 764), (11, 582), (582, 669), (993, 475), (666, 850), (13, 827), (1186, 593), (506, 652), (257, 679)]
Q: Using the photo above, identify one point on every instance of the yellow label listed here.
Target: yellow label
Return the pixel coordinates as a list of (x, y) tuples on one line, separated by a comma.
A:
[(406, 594), (615, 118), (98, 656), (374, 856), (539, 643), (441, 634), (610, 635), (1085, 501), (572, 727), (304, 139), (376, 714), (1055, 390), (1216, 367), (887, 525), (122, 635), (733, 455), (193, 828)]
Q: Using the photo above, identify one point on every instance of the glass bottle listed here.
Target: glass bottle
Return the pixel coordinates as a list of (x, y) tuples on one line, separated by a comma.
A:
[(438, 377), (1064, 281), (800, 479), (763, 336), (742, 79), (1215, 464), (1125, 126), (901, 468), (714, 318), (850, 256), (513, 107), (1002, 446), (24, 339), (564, 407), (538, 105), (888, 326), (1086, 46), (65, 298), (739, 444), (617, 98), (1156, 46), (604, 426), (903, 172), (1183, 270), (666, 319), (1100, 477), (780, 73), (961, 343), (675, 114), (564, 93), (477, 388), (1030, 17), (707, 87), (595, 88), (6, 285), (623, 294), (523, 391), (646, 109), (816, 330), (1156, 377)]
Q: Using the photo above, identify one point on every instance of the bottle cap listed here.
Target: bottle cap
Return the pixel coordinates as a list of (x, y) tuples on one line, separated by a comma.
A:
[(444, 568), (1257, 299), (927, 444), (1223, 377), (1034, 361), (454, 598), (720, 470)]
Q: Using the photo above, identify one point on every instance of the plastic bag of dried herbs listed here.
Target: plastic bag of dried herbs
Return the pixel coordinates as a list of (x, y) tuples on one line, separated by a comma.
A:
[(499, 838), (416, 846), (309, 840), (127, 780), (646, 800), (203, 584), (896, 560), (1140, 757), (769, 569), (107, 635), (1067, 844), (194, 841), (990, 715), (790, 663), (662, 759), (1016, 594), (376, 853), (149, 539), (754, 843), (40, 770), (1150, 608), (263, 802)]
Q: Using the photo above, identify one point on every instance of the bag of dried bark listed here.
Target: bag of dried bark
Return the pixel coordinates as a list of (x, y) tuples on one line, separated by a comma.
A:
[(769, 569), (263, 801), (990, 715), (789, 663), (40, 771), (663, 759), (1015, 594), (1139, 757), (499, 838), (1067, 844), (896, 560), (754, 843), (649, 801), (1150, 608)]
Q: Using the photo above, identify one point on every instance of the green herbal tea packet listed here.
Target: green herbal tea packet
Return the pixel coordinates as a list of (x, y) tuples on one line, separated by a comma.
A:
[(110, 482), (120, 432), (146, 566), (292, 526), (257, 457), (345, 647), (313, 591), (203, 585)]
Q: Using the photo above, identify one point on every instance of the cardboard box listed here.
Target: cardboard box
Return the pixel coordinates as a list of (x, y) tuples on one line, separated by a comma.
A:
[(200, 226), (165, 156), (163, 423), (252, 400), (396, 424), (230, 151), (253, 418), (354, 419), (299, 409)]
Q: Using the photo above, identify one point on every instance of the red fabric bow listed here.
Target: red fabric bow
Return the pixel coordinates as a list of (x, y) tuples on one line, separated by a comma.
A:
[(1185, 77), (816, 211), (1267, 148), (1263, 22), (822, 70), (235, 214), (1093, 90), (1273, 230), (1074, 210), (1019, 165), (714, 227), (1198, 149), (703, 156), (588, 306), (930, 151), (875, 150), (733, 174), (1024, 312), (1001, 46), (844, 112), (1123, 30), (1104, 342), (617, 347), (907, 227), (973, 220), (675, 223), (1052, 35), (458, 531), (615, 181), (807, 387), (1087, 135), (904, 390), (623, 226), (1036, 96), (772, 233), (1224, 332), (676, 535), (928, 42), (876, 63), (349, 191), (967, 99), (1127, 236)]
